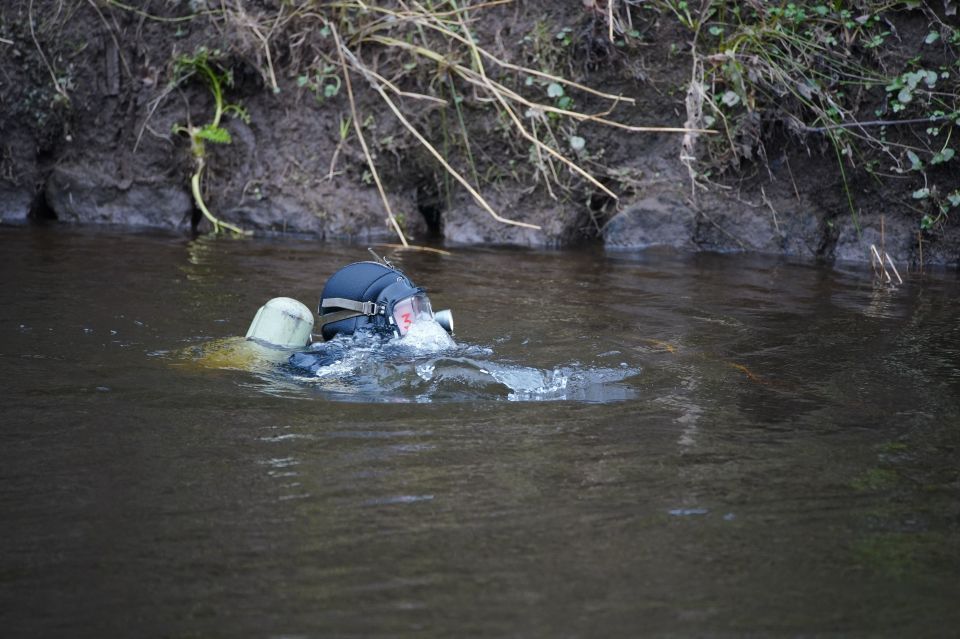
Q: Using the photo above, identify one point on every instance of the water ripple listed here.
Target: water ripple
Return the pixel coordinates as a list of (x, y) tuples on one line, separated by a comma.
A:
[(429, 369)]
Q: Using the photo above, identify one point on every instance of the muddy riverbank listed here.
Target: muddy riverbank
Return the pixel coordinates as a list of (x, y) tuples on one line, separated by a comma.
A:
[(96, 102)]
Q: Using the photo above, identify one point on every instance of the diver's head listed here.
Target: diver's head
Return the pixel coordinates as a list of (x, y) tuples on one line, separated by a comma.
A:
[(376, 297)]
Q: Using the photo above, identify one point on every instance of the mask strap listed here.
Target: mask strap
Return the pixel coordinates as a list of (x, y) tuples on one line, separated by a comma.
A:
[(354, 309)]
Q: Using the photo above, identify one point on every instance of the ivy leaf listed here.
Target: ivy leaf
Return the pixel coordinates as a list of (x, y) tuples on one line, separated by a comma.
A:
[(913, 78), (577, 143), (215, 134), (915, 163), (555, 90), (730, 98), (932, 37), (921, 194), (943, 156)]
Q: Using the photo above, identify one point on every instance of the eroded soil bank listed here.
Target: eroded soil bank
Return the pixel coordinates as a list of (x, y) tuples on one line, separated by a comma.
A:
[(95, 101)]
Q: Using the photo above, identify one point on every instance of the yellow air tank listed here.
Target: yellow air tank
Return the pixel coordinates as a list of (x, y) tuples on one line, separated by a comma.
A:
[(282, 322)]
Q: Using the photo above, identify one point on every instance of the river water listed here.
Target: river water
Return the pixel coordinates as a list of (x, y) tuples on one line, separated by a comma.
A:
[(664, 445)]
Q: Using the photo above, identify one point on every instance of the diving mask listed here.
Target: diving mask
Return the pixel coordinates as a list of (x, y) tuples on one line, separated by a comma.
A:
[(409, 310), (415, 308)]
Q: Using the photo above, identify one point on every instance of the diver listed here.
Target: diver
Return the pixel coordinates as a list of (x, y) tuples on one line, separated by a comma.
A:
[(365, 299), (378, 339)]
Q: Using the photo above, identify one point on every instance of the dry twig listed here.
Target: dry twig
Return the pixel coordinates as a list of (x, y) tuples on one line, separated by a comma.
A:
[(359, 131)]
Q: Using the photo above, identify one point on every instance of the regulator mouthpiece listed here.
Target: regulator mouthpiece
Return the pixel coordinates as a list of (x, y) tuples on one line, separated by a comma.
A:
[(445, 319)]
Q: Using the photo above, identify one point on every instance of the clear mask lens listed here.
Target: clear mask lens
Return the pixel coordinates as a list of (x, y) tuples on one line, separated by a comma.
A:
[(410, 310)]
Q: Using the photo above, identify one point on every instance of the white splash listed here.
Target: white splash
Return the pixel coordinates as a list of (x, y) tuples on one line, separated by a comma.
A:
[(427, 336)]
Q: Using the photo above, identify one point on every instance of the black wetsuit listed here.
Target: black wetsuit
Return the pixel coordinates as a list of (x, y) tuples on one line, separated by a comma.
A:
[(323, 354), (319, 355)]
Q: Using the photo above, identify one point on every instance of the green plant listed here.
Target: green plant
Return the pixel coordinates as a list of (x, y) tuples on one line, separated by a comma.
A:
[(428, 45), (814, 68), (324, 83), (344, 131), (549, 47), (437, 35), (940, 205), (200, 64)]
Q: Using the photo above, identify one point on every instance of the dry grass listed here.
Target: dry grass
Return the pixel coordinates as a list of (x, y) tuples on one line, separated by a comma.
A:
[(439, 35), (387, 44)]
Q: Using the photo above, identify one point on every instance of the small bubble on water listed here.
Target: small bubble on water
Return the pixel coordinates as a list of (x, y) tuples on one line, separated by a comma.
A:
[(397, 499), (425, 371)]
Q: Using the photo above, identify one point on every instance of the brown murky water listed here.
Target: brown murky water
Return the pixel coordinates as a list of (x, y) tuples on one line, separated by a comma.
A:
[(783, 458)]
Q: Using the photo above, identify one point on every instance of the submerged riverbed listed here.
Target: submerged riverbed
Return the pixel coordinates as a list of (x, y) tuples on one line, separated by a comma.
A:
[(754, 447)]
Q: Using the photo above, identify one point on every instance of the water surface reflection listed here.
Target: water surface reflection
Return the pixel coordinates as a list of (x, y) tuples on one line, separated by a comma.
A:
[(782, 460)]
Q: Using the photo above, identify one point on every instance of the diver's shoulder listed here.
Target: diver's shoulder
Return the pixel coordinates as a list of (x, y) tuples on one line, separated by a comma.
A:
[(319, 355)]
